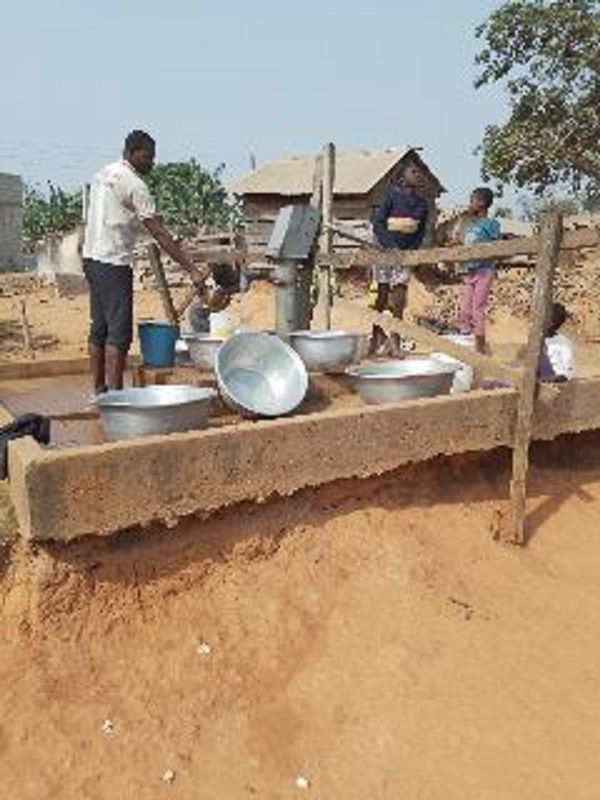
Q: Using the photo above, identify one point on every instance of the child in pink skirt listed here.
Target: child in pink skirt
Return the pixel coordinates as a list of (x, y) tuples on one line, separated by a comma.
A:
[(478, 275)]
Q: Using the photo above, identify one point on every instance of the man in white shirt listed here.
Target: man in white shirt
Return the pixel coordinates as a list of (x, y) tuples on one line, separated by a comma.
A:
[(119, 203)]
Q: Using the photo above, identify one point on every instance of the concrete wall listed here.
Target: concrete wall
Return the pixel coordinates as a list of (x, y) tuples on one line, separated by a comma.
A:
[(63, 494), (11, 222)]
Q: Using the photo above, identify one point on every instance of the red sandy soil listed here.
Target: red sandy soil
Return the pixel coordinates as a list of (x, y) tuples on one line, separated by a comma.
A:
[(369, 637)]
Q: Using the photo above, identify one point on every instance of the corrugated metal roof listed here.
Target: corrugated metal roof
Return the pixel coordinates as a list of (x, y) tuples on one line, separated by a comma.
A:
[(355, 173)]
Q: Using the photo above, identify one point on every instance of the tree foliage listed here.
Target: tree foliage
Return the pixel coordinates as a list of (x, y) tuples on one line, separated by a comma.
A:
[(189, 196), (534, 209), (547, 56), (56, 211)]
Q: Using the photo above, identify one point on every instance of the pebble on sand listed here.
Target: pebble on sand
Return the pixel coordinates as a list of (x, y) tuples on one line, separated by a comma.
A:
[(168, 776), (302, 782)]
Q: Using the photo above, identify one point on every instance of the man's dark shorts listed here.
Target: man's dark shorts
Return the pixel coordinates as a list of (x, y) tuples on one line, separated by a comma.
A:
[(111, 303)]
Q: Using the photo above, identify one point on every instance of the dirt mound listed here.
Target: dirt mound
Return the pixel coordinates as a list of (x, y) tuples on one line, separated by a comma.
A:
[(366, 640), (576, 285)]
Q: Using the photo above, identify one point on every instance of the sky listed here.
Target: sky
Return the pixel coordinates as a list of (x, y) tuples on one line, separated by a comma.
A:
[(220, 80)]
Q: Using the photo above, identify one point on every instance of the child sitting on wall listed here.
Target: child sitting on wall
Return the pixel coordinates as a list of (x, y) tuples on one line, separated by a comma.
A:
[(557, 361)]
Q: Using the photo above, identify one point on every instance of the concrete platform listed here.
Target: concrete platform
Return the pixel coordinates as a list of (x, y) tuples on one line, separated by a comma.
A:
[(64, 494)]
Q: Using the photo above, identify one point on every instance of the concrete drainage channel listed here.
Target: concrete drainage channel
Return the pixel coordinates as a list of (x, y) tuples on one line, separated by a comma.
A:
[(62, 493)]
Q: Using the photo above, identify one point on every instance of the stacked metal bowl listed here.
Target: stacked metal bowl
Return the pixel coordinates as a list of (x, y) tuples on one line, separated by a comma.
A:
[(393, 381), (326, 351), (153, 410)]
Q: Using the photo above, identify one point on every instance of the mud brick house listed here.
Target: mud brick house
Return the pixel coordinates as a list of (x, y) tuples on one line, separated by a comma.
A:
[(362, 180)]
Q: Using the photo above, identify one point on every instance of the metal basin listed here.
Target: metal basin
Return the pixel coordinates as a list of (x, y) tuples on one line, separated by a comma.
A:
[(463, 377), (203, 348), (259, 375), (152, 410), (326, 351), (391, 381), (463, 339)]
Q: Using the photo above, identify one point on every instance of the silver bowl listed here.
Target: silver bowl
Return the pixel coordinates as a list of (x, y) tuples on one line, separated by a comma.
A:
[(152, 410), (260, 376), (203, 348), (391, 381), (326, 351)]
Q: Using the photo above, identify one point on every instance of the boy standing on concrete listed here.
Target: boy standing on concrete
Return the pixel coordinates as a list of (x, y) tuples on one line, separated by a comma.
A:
[(478, 275), (398, 224)]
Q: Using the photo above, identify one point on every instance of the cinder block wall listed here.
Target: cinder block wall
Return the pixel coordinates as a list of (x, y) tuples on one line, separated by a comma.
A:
[(11, 222)]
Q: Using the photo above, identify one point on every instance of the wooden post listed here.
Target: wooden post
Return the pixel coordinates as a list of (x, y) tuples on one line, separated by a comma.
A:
[(27, 341), (161, 281), (306, 271), (326, 239), (548, 253), (188, 299), (317, 188)]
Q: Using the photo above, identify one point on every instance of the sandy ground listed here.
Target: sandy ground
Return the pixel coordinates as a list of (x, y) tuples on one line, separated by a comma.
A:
[(368, 637), (59, 324), (366, 641)]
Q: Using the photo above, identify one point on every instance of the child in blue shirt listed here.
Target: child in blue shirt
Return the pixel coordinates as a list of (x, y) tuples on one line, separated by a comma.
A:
[(478, 275)]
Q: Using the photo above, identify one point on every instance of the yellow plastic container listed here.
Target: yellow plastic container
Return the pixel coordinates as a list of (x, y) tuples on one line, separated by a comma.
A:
[(406, 225)]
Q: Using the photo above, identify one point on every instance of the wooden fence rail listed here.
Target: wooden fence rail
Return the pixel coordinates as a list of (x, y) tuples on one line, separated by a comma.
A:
[(365, 256)]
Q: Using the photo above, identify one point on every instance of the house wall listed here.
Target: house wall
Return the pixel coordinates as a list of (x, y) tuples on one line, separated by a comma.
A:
[(11, 222), (60, 254)]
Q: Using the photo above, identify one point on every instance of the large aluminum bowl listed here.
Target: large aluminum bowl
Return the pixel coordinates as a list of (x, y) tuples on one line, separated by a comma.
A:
[(203, 348), (326, 351), (260, 376), (392, 381), (152, 410)]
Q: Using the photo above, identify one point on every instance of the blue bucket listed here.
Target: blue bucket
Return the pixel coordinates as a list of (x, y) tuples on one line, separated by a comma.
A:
[(157, 343)]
